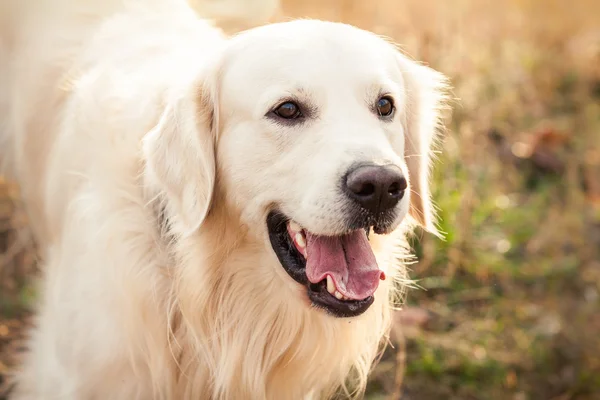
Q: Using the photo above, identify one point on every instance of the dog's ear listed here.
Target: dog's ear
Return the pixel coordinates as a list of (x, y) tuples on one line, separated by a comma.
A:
[(180, 156), (425, 97)]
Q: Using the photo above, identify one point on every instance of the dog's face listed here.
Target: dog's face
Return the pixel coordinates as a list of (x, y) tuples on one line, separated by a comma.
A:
[(322, 135)]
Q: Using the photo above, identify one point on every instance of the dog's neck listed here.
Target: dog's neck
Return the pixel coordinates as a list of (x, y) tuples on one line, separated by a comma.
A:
[(242, 331)]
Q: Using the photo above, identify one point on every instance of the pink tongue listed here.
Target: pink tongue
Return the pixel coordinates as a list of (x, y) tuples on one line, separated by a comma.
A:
[(348, 259)]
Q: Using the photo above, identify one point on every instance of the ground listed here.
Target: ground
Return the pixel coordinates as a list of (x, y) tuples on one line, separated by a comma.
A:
[(508, 305)]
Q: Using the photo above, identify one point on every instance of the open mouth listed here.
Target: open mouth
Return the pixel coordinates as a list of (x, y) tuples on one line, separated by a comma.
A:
[(340, 272)]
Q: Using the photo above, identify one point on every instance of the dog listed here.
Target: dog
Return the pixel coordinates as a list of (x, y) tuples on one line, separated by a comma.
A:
[(218, 217)]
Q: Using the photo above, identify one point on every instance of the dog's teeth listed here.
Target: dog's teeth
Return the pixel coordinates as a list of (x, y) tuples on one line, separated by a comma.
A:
[(330, 285), (338, 295), (295, 227), (300, 240)]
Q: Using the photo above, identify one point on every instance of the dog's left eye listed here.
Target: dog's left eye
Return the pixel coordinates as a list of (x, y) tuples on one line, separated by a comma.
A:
[(385, 106), (288, 110)]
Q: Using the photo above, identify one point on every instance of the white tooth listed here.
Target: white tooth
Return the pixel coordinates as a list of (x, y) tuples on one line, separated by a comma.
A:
[(295, 227), (338, 295), (330, 285), (300, 240)]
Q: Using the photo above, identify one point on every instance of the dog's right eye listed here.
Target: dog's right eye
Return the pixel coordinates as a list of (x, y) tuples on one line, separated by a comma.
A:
[(288, 110)]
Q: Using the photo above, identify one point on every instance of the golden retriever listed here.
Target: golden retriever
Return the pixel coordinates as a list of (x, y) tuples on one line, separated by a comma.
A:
[(218, 218)]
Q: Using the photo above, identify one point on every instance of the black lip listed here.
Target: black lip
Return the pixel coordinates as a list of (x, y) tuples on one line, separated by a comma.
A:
[(292, 261), (321, 298), (295, 265)]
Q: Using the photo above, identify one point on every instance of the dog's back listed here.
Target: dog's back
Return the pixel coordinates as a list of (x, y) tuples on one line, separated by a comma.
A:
[(38, 43), (41, 47), (39, 36)]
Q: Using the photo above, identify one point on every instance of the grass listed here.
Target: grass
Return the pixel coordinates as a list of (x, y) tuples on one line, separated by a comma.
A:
[(512, 295)]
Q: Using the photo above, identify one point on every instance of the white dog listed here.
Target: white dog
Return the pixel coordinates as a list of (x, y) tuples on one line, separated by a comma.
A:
[(204, 204)]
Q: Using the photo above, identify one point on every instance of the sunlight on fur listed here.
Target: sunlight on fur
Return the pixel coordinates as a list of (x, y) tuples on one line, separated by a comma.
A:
[(151, 155)]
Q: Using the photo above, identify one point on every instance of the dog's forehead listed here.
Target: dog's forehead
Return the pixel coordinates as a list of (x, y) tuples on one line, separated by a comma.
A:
[(307, 53), (310, 34)]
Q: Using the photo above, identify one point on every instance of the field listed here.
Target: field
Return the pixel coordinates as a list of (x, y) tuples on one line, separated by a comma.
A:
[(508, 305)]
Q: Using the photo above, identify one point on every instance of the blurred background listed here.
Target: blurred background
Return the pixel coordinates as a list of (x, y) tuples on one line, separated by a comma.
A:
[(508, 305)]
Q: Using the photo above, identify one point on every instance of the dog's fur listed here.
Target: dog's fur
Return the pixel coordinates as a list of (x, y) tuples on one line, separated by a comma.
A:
[(138, 136)]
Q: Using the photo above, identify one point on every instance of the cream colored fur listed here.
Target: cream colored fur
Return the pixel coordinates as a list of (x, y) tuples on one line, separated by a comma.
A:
[(119, 113)]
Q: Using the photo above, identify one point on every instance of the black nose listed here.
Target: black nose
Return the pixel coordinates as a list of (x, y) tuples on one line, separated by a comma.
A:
[(377, 188)]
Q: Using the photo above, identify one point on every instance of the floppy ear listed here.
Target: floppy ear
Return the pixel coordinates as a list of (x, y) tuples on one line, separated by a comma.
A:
[(425, 91), (180, 156)]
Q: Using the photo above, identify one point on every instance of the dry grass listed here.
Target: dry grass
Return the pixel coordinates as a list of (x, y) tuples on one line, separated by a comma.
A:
[(510, 301)]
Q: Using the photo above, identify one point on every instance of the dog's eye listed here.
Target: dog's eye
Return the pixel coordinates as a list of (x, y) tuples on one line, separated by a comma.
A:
[(288, 110), (385, 106)]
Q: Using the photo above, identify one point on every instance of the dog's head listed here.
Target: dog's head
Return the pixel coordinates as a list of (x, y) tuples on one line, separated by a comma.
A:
[(317, 133)]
